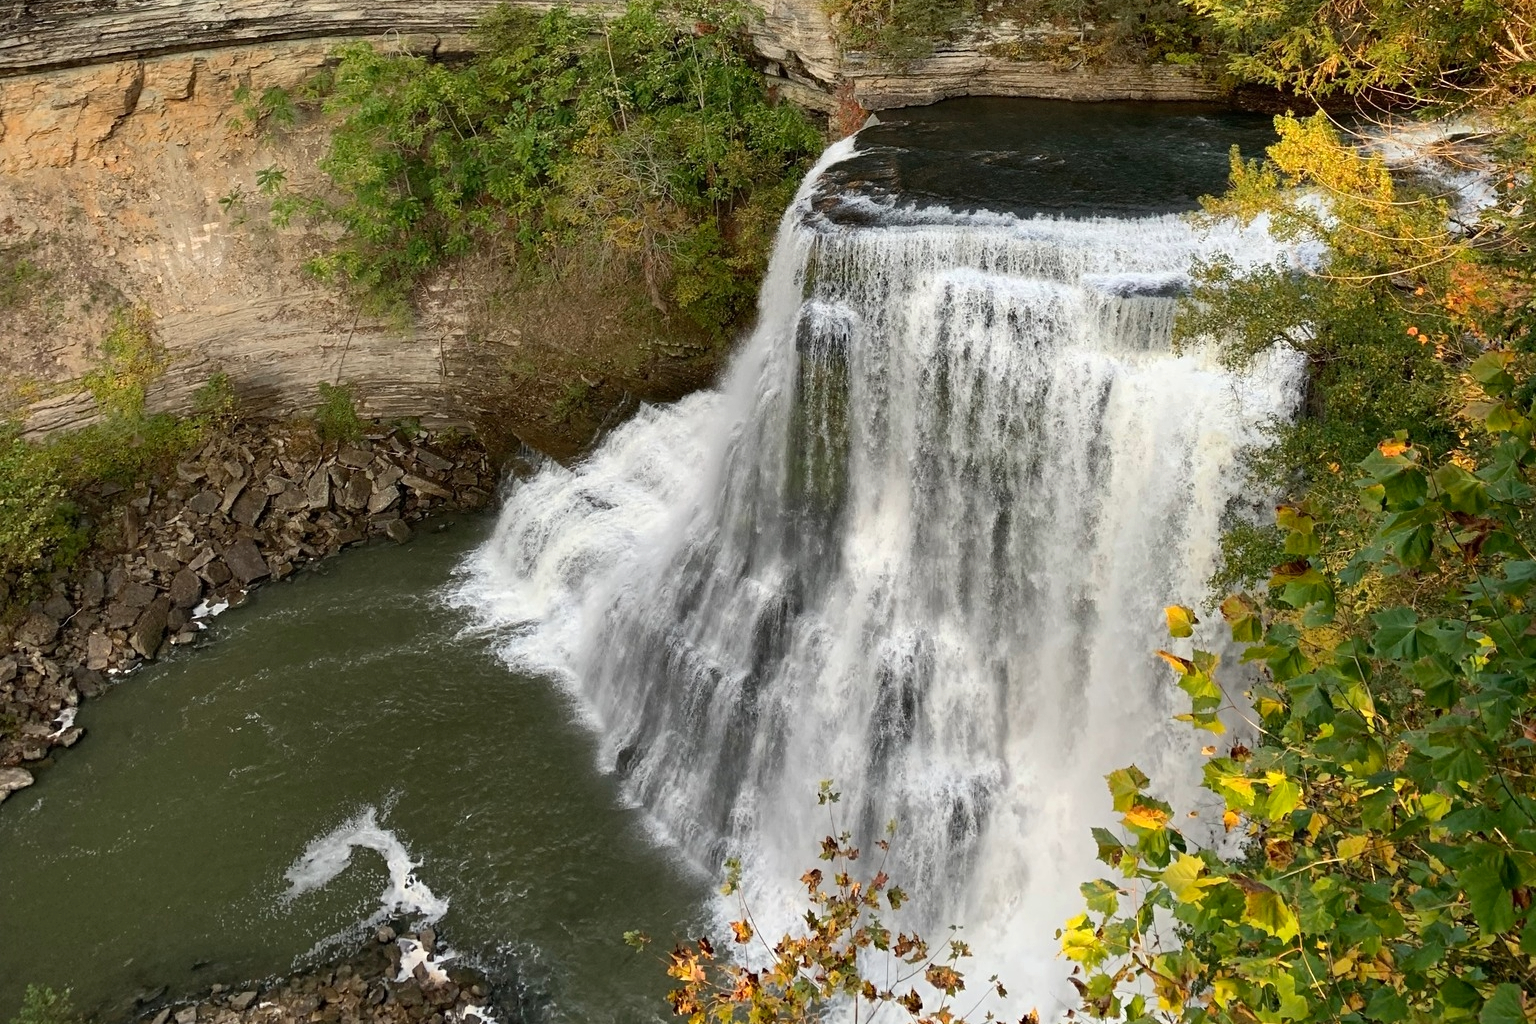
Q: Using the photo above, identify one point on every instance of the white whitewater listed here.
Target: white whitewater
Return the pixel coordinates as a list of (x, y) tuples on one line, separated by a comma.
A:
[(918, 542)]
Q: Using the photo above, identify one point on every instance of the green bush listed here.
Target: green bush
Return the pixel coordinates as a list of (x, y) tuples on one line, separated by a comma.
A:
[(336, 419), (651, 136), (216, 402), (19, 277), (43, 1005)]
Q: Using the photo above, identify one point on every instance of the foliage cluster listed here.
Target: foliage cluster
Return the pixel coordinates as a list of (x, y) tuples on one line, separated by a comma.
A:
[(648, 137), (1379, 856), (336, 418), (846, 953), (42, 1005), (19, 276), (41, 482)]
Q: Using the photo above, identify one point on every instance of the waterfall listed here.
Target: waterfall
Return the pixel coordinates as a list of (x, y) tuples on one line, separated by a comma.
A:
[(918, 541)]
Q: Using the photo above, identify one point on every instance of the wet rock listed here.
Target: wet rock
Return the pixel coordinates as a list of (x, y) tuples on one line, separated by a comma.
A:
[(217, 573), (245, 562), (397, 531), (88, 679), (384, 934), (162, 1017), (38, 630), (243, 1001), (186, 1015), (12, 780), (186, 589), (249, 507), (428, 939), (177, 619), (69, 737), (148, 632)]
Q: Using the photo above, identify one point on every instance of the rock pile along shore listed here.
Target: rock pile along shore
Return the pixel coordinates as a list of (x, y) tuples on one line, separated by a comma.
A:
[(249, 506), (405, 979)]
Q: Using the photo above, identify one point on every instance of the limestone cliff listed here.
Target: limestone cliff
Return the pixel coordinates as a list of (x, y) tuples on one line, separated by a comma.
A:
[(123, 177)]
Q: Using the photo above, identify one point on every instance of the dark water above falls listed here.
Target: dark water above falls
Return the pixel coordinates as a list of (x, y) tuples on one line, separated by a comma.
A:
[(916, 540), (163, 841)]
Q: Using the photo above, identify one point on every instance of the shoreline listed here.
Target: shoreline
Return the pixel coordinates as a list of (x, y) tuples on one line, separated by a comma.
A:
[(253, 504)]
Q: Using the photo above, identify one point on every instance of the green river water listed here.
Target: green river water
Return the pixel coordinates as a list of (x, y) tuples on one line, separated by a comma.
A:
[(156, 853)]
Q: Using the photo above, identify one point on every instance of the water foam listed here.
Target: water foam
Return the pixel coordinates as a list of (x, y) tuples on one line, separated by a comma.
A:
[(918, 541), (328, 856)]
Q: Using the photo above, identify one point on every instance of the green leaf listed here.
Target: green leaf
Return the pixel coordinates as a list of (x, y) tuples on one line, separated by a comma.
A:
[(1102, 896), (1186, 879), (1267, 910), (1488, 881), (1505, 1006), (1181, 620), (1125, 784)]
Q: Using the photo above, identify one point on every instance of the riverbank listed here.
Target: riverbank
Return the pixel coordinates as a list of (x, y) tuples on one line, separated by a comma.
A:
[(252, 505), (404, 978)]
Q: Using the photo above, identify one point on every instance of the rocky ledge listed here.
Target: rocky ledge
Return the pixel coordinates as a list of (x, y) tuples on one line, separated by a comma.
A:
[(250, 506), (405, 979)]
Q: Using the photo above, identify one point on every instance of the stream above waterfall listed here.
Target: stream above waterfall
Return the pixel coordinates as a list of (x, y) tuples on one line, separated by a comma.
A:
[(955, 455)]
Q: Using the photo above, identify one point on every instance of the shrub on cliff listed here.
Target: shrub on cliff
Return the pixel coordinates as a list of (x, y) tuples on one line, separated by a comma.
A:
[(649, 136)]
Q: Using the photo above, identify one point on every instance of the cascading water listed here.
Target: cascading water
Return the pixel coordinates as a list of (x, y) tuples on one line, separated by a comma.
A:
[(918, 542)]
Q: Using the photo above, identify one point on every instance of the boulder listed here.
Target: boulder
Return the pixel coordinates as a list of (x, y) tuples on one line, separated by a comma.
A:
[(8, 669), (243, 1001), (13, 779), (148, 632), (93, 588), (317, 490), (204, 503), (136, 595), (58, 607), (432, 460), (249, 507), (353, 458), (162, 561), (39, 630), (89, 681), (422, 486), (216, 573), (397, 531), (245, 562), (186, 589), (356, 493), (383, 498)]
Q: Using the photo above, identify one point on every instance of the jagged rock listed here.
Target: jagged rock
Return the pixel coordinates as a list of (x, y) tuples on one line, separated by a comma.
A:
[(163, 561), (353, 458), (58, 607), (88, 678), (275, 485), (243, 1001), (186, 589), (93, 588), (385, 934), (216, 573), (8, 669), (432, 460), (317, 490), (421, 486), (13, 779), (69, 737), (387, 474), (249, 507), (204, 503), (39, 630), (383, 499), (231, 495), (291, 500), (148, 632), (186, 1015), (356, 493), (189, 472), (245, 562), (176, 619), (397, 531), (136, 595)]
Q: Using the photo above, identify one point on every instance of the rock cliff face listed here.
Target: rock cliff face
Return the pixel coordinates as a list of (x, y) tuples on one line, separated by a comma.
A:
[(123, 179)]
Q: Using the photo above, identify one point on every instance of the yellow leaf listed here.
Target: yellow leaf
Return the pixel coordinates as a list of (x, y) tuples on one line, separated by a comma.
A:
[(1142, 816), (1224, 990), (1179, 664), (1392, 447), (1352, 847), (1343, 965), (1229, 820), (1181, 620), (1183, 879)]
